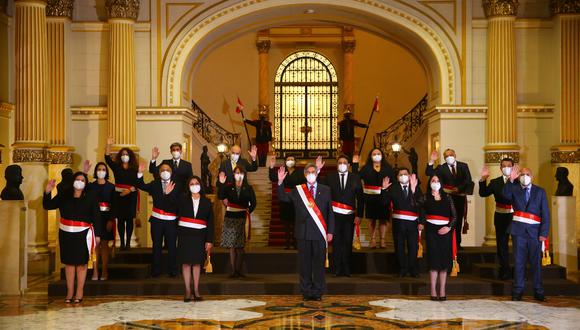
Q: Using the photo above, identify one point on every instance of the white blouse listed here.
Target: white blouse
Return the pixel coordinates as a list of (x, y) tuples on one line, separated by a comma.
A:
[(195, 206)]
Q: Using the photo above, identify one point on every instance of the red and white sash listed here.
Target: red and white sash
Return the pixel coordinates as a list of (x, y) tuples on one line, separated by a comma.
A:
[(503, 208), (313, 209), (162, 215), (73, 226), (119, 187), (192, 223), (342, 208), (526, 217), (372, 190), (104, 206), (437, 219), (451, 189), (405, 215)]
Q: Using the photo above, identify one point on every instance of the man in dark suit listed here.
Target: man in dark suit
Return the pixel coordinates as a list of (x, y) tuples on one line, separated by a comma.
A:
[(181, 169), (405, 196), (456, 181), (502, 217), (346, 128), (314, 228), (529, 229), (263, 136), (235, 158), (346, 190)]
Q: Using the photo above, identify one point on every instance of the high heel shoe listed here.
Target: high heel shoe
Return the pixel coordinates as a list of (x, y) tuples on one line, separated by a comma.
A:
[(434, 298), (443, 298), (373, 244), (78, 301), (68, 301), (186, 299), (197, 298), (383, 243)]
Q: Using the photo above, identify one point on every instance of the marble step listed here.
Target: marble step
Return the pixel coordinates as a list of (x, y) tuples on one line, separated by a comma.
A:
[(121, 271), (491, 270)]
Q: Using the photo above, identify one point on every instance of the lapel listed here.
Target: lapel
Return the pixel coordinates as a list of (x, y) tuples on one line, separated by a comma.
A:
[(447, 171)]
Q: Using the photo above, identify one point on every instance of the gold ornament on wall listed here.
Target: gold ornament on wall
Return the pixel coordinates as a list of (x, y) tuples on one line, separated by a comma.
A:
[(59, 8), (122, 9), (500, 7), (30, 155), (263, 46), (566, 157), (348, 46), (564, 7), (494, 157)]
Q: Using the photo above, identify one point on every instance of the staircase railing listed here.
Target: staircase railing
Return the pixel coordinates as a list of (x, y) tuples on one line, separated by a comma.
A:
[(404, 128), (211, 131)]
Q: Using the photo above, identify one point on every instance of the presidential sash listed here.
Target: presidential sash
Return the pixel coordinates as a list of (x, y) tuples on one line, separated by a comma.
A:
[(342, 208), (313, 209), (526, 217)]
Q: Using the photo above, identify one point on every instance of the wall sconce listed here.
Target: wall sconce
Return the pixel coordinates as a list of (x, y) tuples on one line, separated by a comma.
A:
[(396, 149)]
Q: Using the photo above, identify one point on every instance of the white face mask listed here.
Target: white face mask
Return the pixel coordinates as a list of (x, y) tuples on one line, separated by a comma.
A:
[(404, 179), (79, 185), (450, 160), (311, 178), (195, 188), (101, 174), (125, 158), (176, 154), (377, 158), (525, 180), (506, 171), (239, 177), (290, 163), (235, 157), (165, 175), (342, 168), (435, 186)]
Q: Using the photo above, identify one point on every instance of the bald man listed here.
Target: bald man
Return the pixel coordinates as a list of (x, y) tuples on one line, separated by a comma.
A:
[(529, 228), (235, 158)]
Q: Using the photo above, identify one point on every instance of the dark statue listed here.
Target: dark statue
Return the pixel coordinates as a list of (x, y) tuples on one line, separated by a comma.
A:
[(205, 174), (565, 187), (413, 159), (13, 176), (66, 181)]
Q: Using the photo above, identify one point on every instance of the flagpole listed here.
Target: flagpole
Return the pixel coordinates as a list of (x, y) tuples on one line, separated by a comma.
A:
[(367, 129)]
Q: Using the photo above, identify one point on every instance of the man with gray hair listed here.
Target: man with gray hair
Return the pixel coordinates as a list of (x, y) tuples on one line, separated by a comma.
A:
[(313, 229)]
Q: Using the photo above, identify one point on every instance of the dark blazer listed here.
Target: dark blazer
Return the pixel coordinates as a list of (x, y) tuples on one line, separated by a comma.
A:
[(180, 174), (167, 203), (263, 130), (494, 188), (85, 208), (462, 180), (351, 195), (537, 205), (394, 194), (204, 212), (226, 167), (305, 228), (247, 198)]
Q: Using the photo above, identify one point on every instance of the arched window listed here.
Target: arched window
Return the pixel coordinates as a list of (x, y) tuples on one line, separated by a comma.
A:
[(306, 106)]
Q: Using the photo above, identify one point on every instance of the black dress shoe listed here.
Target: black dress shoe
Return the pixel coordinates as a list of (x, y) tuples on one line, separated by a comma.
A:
[(316, 298), (443, 298), (197, 298), (434, 298), (516, 297), (186, 299), (540, 297), (306, 298)]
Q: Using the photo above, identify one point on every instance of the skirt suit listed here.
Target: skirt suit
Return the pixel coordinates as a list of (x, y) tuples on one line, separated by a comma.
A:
[(105, 194), (195, 228), (373, 203), (233, 230), (439, 247)]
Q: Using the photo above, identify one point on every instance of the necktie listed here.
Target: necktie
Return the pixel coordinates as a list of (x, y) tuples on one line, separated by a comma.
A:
[(527, 195), (312, 190), (342, 181), (405, 192), (174, 164), (453, 171), (163, 185)]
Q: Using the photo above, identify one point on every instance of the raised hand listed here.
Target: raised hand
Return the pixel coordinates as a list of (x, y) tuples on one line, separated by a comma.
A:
[(110, 140), (319, 163), (86, 166), (515, 173), (253, 152), (50, 185), (222, 177), (484, 173), (169, 188), (154, 153), (414, 182), (281, 174), (434, 156), (272, 161), (355, 159), (386, 182), (443, 230), (141, 167)]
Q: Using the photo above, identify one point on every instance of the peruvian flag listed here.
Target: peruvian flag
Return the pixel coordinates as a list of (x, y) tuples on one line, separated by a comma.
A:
[(240, 106), (376, 105)]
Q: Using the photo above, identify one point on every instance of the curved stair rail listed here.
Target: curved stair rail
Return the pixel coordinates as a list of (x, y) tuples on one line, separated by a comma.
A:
[(211, 131), (404, 128)]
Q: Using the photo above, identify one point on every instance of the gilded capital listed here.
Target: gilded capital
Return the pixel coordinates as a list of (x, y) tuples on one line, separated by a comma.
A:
[(122, 8), (348, 46), (59, 8), (495, 8), (263, 46), (564, 7)]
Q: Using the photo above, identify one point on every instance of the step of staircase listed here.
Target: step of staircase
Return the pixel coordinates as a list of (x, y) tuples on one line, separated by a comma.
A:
[(122, 271), (491, 271), (262, 214)]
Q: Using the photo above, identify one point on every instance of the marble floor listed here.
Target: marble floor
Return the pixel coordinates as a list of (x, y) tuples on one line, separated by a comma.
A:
[(37, 311)]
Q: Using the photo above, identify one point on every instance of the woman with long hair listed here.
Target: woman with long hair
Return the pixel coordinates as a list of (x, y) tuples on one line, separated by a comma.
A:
[(440, 217), (125, 168), (241, 202), (372, 174), (195, 234), (105, 193), (79, 230)]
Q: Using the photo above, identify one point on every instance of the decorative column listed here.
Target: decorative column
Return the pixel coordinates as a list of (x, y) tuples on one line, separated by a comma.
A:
[(121, 102), (348, 46), (263, 46), (31, 123), (58, 19), (501, 137), (566, 15)]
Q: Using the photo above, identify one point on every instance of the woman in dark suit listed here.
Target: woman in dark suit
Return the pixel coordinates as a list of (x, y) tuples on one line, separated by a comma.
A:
[(440, 218), (240, 202), (125, 168), (195, 235), (79, 221)]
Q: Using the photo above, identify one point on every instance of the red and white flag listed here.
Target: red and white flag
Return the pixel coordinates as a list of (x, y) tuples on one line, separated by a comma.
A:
[(240, 106), (376, 105)]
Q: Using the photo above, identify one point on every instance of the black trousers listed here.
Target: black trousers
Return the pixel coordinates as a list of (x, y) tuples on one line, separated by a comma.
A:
[(342, 243), (406, 236), (460, 203), (160, 230), (502, 221), (311, 257)]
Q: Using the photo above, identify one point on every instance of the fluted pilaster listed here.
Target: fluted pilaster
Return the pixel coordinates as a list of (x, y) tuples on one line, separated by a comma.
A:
[(348, 46), (121, 102), (263, 46)]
